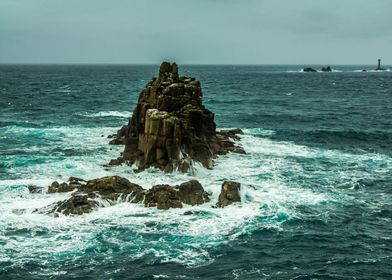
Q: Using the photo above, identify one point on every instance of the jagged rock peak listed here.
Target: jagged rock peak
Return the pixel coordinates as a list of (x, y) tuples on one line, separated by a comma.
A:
[(168, 70), (170, 128)]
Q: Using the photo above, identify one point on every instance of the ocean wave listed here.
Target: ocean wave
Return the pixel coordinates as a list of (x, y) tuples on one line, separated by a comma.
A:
[(341, 71), (278, 179), (119, 114), (265, 204)]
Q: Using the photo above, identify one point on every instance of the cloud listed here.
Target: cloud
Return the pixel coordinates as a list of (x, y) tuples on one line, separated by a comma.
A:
[(206, 31)]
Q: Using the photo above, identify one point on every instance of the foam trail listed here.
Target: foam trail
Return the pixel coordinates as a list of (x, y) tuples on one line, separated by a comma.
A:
[(120, 114)]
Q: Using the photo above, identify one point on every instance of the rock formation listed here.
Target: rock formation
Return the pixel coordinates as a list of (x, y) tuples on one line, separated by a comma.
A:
[(87, 195), (192, 193), (230, 193), (309, 69), (78, 204), (326, 69), (170, 128), (109, 190)]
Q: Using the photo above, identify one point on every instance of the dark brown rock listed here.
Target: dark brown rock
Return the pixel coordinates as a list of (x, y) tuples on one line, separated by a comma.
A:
[(89, 193), (162, 197), (77, 204), (55, 187), (170, 127), (117, 161), (230, 193), (165, 196), (34, 189), (192, 193), (112, 189)]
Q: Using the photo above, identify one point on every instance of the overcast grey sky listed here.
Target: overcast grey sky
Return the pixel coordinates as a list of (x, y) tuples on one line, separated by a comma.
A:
[(196, 31)]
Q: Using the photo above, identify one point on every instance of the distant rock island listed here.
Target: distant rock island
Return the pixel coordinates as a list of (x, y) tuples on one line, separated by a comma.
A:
[(324, 69), (170, 128)]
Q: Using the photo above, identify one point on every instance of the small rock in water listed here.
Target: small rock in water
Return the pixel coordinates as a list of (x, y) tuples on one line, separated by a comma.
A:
[(309, 69), (55, 187), (78, 204), (162, 197), (230, 193), (192, 193), (34, 189), (117, 161)]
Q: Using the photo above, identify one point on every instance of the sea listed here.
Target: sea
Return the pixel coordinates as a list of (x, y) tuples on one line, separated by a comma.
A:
[(316, 179)]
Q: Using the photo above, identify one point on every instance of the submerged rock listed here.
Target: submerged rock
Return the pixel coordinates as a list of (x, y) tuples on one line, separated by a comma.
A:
[(35, 189), (230, 193), (170, 127)]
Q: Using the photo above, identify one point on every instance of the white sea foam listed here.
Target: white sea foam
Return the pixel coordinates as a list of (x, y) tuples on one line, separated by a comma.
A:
[(343, 71), (372, 71), (120, 114), (269, 198)]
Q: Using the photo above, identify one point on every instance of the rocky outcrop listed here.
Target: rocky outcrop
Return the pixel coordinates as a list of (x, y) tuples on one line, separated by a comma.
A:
[(78, 204), (87, 195), (192, 192), (230, 193), (113, 188), (170, 128), (309, 69), (162, 197), (326, 69), (73, 184)]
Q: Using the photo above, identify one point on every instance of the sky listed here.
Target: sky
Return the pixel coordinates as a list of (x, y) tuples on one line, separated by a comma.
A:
[(326, 32)]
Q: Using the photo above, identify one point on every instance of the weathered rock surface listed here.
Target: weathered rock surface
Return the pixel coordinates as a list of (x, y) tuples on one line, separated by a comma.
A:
[(230, 193), (192, 192), (78, 204), (162, 197), (170, 128), (87, 195), (114, 187)]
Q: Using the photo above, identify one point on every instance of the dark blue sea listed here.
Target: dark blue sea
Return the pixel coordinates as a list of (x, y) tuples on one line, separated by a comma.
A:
[(316, 179)]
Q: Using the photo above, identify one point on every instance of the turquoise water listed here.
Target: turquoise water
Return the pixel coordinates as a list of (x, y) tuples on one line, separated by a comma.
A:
[(316, 179)]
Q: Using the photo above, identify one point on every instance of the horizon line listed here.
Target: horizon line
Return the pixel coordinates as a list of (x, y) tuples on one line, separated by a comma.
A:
[(185, 64)]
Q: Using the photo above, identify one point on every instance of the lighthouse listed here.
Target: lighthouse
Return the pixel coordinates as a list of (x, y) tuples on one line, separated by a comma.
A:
[(379, 65)]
